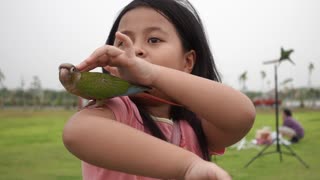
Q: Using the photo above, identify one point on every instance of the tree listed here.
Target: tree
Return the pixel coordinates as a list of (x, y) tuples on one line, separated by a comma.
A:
[(22, 83), (286, 88), (2, 78), (286, 81), (242, 80), (310, 69), (311, 91), (263, 76), (37, 92)]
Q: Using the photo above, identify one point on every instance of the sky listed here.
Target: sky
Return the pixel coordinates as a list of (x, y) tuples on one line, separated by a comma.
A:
[(36, 36)]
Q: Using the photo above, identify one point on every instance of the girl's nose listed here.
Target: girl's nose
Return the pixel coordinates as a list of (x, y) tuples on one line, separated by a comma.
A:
[(140, 54), (139, 51)]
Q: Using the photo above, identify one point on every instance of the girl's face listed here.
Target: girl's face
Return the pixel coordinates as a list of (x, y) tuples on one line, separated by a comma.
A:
[(155, 39)]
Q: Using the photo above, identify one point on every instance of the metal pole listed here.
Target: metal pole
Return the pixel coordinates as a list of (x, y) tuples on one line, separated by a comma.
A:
[(277, 109)]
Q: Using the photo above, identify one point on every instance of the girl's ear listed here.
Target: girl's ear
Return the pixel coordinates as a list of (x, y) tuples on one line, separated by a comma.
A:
[(189, 61)]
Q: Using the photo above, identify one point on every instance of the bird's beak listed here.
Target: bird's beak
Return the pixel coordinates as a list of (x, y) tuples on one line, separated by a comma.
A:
[(64, 75)]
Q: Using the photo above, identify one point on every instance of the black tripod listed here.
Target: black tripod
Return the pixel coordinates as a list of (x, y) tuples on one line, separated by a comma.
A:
[(277, 140)]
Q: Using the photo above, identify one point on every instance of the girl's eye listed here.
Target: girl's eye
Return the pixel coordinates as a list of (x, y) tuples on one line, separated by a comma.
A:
[(154, 40), (119, 44)]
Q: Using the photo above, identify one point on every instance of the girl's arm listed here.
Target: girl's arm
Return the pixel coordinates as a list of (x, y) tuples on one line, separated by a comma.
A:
[(228, 114), (95, 137)]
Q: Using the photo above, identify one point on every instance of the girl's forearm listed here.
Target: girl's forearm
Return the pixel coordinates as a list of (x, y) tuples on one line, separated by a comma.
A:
[(112, 145), (209, 99), (228, 114)]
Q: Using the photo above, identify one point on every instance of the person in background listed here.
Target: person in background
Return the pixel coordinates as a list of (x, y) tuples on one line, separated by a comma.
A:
[(291, 128)]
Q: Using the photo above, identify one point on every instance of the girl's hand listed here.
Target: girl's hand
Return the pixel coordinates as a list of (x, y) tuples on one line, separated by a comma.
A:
[(203, 170), (121, 61)]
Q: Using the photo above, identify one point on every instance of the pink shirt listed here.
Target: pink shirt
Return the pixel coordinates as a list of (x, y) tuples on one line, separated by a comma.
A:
[(126, 112)]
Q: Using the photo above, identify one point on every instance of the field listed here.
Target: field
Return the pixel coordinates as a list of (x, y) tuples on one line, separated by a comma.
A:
[(31, 148), (269, 166)]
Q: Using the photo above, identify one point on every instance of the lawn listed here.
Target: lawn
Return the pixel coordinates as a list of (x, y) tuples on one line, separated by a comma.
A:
[(31, 148), (269, 166)]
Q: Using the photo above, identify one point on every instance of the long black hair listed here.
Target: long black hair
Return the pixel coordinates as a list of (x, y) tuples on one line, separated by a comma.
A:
[(190, 29)]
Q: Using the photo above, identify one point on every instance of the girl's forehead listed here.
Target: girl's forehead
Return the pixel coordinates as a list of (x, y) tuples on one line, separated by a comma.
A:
[(143, 15)]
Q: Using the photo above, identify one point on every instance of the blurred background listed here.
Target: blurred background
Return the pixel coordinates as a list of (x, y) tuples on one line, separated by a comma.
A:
[(38, 35)]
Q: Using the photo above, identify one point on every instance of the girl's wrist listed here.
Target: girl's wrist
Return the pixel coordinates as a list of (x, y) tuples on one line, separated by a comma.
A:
[(155, 74), (190, 162)]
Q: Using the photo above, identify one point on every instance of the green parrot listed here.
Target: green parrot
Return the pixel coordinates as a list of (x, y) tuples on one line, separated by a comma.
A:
[(95, 85)]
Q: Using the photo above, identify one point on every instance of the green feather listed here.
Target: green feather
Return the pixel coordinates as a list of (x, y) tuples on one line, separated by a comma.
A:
[(94, 85)]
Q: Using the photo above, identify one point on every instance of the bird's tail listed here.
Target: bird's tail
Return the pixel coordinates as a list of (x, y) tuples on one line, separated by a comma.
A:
[(147, 95)]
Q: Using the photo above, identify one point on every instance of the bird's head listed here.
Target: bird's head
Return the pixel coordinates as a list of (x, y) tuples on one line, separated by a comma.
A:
[(68, 74)]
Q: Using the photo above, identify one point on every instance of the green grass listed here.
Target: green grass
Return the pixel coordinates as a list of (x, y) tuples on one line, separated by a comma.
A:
[(269, 166), (31, 148)]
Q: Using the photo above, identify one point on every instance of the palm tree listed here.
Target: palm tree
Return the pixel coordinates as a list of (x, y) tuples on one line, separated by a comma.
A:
[(263, 76), (268, 84), (22, 83), (2, 78), (286, 88), (242, 80), (37, 91), (286, 81), (310, 68)]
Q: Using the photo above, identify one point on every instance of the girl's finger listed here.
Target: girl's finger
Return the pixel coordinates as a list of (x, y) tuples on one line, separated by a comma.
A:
[(124, 38), (99, 57), (105, 50), (87, 68), (83, 65), (128, 45), (100, 62), (112, 70)]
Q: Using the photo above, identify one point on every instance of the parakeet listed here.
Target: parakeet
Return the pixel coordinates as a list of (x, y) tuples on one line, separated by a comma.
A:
[(95, 85)]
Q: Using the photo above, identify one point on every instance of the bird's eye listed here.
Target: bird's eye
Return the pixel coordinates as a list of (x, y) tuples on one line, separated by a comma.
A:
[(72, 69)]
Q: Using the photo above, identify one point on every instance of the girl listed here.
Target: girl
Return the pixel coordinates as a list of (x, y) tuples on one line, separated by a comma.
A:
[(160, 44)]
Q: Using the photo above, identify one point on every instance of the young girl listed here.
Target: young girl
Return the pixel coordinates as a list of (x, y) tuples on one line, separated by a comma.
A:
[(160, 44)]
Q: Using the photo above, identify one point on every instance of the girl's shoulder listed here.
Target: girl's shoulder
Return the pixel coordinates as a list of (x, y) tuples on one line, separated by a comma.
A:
[(121, 108), (125, 111)]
